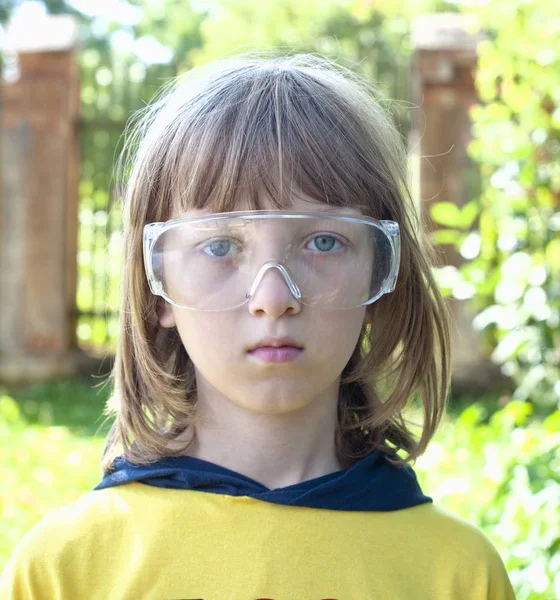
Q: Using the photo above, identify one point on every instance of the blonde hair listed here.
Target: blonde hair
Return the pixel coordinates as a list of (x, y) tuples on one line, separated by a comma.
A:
[(283, 125)]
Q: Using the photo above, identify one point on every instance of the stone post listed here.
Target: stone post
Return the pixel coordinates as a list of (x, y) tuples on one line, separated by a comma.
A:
[(39, 179), (443, 79)]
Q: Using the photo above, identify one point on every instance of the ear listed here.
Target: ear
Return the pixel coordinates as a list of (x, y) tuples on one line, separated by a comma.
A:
[(166, 316)]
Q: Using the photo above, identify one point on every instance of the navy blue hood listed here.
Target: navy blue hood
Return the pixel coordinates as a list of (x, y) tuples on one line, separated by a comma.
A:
[(371, 484)]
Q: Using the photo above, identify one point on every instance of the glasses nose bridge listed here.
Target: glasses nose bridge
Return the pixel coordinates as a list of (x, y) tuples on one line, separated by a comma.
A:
[(287, 277)]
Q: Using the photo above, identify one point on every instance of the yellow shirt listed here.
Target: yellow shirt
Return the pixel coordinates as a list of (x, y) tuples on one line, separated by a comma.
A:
[(133, 541)]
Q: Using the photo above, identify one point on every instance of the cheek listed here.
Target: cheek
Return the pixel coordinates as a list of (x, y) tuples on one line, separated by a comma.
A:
[(338, 333), (205, 336)]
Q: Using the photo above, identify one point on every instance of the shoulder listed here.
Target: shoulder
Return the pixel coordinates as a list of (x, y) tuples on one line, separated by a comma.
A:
[(92, 510), (70, 521), (89, 513), (65, 539), (462, 547), (438, 527)]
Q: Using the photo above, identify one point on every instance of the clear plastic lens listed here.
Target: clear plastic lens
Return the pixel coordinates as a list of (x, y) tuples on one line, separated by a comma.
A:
[(214, 264)]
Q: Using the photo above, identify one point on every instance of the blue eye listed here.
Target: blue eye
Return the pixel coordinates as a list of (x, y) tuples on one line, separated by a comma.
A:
[(325, 243), (219, 248)]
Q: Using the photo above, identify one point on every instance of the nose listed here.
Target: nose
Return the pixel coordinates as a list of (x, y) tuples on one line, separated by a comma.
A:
[(274, 293)]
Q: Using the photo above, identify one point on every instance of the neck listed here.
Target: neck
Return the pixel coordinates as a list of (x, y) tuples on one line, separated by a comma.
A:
[(277, 450)]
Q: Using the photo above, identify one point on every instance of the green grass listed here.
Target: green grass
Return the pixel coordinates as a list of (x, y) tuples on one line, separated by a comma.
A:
[(52, 442)]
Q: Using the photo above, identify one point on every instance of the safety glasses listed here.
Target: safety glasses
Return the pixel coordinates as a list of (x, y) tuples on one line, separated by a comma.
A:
[(216, 262)]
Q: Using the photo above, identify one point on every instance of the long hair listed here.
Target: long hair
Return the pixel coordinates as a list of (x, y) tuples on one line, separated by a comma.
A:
[(284, 125)]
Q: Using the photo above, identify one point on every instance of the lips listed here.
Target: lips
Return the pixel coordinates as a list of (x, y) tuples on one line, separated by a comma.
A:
[(275, 350), (273, 342)]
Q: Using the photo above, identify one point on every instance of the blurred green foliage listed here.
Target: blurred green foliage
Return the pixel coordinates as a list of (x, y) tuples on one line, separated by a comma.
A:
[(509, 234), (52, 442), (371, 37), (501, 471), (497, 471)]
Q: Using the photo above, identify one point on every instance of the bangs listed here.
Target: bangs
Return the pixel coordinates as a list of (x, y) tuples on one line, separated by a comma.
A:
[(274, 132)]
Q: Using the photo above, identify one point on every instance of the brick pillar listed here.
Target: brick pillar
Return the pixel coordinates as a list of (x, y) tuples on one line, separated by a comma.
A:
[(39, 178), (443, 72)]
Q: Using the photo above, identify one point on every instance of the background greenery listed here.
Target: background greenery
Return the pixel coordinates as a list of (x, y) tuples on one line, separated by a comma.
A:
[(496, 461), (509, 235)]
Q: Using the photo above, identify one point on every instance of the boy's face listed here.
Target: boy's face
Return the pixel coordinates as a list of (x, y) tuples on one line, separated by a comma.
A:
[(219, 344)]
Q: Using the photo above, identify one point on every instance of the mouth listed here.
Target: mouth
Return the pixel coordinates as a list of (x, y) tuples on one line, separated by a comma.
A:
[(276, 350), (272, 342)]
